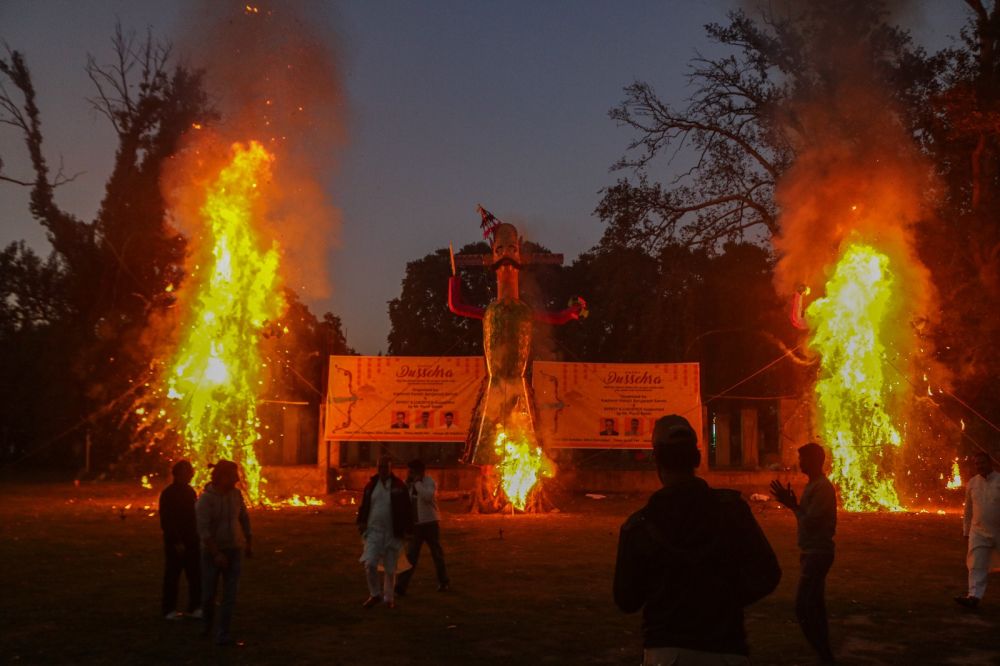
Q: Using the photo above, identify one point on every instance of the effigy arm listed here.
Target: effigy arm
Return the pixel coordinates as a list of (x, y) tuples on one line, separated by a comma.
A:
[(797, 315), (455, 303), (575, 311)]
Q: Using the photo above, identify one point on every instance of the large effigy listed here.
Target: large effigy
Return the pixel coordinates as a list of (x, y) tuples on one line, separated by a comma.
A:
[(502, 438)]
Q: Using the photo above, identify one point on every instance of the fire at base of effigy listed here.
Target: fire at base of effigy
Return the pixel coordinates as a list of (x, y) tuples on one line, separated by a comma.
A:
[(502, 439), (516, 483)]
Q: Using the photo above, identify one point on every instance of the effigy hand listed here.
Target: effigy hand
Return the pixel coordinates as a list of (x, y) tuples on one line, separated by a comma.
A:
[(579, 307)]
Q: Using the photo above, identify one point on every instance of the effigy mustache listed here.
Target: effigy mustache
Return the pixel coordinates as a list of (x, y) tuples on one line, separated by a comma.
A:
[(506, 261)]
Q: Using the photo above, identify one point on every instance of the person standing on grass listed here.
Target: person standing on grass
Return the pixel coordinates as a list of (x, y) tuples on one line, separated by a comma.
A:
[(180, 542), (427, 528), (981, 526), (222, 520), (691, 559), (816, 514), (383, 520)]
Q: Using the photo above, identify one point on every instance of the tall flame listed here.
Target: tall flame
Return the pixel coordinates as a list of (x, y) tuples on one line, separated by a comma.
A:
[(216, 372), (854, 391), (522, 464)]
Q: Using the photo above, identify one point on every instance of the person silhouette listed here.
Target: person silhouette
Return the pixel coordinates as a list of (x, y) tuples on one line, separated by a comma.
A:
[(691, 559)]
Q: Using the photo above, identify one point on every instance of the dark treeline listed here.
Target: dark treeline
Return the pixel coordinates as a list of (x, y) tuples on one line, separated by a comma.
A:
[(81, 338)]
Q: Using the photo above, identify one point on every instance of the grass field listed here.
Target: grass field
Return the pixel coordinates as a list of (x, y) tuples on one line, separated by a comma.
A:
[(81, 584)]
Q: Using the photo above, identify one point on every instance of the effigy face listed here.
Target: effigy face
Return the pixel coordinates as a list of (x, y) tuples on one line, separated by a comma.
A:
[(506, 245), (507, 338)]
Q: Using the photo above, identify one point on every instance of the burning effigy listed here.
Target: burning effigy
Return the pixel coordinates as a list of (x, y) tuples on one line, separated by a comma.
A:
[(850, 203), (502, 439), (244, 192), (235, 289)]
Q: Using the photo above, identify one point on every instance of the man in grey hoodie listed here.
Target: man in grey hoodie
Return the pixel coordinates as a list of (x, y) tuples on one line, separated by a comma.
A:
[(222, 521)]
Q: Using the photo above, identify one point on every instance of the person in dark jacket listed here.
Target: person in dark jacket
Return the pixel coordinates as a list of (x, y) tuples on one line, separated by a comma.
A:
[(384, 518), (691, 559), (816, 514), (180, 541)]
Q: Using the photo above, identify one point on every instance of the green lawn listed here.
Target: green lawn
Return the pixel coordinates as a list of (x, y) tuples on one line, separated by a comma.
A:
[(81, 585)]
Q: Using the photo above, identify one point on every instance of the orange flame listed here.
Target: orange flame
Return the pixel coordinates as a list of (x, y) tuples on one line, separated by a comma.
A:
[(234, 291), (522, 464)]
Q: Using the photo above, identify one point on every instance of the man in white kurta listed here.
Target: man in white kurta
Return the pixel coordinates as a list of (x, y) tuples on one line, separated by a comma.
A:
[(382, 531), (981, 526)]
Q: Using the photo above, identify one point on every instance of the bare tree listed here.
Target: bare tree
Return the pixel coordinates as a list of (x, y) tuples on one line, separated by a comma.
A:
[(67, 234), (738, 132), (113, 270)]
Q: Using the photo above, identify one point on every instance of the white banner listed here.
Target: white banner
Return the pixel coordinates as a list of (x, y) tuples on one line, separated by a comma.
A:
[(402, 398), (612, 405)]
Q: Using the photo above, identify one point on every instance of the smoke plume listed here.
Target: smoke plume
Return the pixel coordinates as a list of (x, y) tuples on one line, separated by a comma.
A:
[(275, 80)]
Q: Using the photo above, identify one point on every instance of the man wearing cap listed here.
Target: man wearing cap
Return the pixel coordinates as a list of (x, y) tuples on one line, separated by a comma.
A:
[(224, 528), (691, 559)]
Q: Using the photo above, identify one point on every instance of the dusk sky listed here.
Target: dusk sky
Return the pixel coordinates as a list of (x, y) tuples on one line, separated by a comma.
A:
[(448, 104)]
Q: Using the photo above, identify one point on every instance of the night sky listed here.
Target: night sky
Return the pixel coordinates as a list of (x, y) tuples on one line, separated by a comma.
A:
[(449, 104)]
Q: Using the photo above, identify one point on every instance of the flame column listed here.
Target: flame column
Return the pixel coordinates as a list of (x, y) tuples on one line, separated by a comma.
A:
[(234, 290), (854, 393)]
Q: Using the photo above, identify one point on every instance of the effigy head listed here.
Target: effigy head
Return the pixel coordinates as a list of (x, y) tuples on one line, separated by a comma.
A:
[(506, 246)]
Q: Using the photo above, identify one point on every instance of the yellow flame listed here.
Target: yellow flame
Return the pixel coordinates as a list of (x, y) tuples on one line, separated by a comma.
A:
[(216, 371), (295, 500), (145, 482), (853, 389), (956, 476), (521, 465)]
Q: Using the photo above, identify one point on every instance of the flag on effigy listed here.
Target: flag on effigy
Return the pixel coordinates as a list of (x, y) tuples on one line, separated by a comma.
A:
[(489, 223)]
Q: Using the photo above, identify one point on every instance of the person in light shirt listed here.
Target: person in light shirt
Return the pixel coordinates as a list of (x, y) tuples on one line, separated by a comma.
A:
[(981, 526), (427, 528)]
